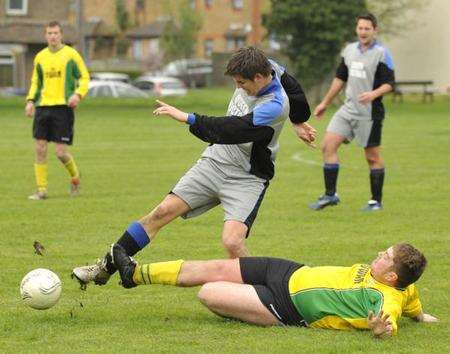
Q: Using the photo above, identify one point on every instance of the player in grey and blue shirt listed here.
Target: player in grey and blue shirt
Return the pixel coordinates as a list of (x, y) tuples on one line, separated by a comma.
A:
[(236, 167), (367, 70)]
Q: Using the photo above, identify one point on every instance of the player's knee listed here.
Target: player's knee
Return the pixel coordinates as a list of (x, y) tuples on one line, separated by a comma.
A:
[(233, 242), (206, 294)]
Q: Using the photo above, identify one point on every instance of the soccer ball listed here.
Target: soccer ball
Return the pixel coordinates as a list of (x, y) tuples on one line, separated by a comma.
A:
[(40, 289)]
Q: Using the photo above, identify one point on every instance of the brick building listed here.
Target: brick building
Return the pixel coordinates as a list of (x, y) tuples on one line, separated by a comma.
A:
[(22, 24)]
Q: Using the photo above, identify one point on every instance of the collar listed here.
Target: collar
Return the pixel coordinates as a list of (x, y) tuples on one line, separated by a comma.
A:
[(272, 86), (374, 43)]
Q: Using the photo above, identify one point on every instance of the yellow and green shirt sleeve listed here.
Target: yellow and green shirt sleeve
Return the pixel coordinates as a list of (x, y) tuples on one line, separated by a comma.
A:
[(57, 76)]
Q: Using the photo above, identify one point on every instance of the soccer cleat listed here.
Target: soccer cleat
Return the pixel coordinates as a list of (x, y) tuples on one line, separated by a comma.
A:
[(75, 186), (373, 205), (125, 264), (96, 273), (38, 196), (324, 201)]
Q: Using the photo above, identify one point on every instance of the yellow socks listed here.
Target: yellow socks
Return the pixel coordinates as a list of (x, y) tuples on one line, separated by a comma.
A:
[(40, 172), (72, 168), (158, 273)]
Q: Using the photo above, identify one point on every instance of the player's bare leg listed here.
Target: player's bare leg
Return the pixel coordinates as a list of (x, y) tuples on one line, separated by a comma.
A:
[(169, 209), (233, 238), (239, 301)]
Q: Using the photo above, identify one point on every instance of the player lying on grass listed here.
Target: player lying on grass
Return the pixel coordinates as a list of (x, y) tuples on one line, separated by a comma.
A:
[(272, 291)]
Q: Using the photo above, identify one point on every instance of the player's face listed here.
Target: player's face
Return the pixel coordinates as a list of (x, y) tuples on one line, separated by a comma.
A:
[(53, 36), (249, 86), (383, 263), (365, 31)]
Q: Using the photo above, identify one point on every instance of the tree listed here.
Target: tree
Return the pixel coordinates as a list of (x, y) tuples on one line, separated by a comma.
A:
[(180, 33), (123, 22), (393, 15), (313, 33)]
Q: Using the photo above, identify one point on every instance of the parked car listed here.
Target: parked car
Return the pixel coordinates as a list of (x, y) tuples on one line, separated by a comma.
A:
[(161, 85), (12, 91), (99, 88), (104, 76), (193, 72)]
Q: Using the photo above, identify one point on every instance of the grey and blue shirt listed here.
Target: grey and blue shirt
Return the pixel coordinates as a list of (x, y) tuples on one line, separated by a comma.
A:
[(247, 136), (364, 71)]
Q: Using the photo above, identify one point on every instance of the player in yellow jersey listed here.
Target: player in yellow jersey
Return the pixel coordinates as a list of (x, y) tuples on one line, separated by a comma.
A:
[(59, 81), (273, 291)]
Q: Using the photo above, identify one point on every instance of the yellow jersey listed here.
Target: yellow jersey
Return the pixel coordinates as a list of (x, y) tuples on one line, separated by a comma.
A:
[(57, 76), (341, 297)]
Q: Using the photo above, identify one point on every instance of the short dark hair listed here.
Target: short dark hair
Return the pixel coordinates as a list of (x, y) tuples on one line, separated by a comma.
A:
[(54, 24), (409, 264), (247, 62), (369, 17)]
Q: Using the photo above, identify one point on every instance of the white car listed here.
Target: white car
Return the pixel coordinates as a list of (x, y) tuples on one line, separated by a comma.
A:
[(99, 88), (104, 76), (161, 85)]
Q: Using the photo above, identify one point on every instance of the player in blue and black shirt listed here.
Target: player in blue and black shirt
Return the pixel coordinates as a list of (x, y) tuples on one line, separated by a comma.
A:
[(368, 72)]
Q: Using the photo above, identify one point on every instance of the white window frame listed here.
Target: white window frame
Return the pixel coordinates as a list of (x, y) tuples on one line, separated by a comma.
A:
[(17, 12), (238, 4)]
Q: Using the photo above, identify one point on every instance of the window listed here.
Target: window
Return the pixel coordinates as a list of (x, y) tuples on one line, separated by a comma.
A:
[(237, 4), (6, 70), (137, 49), (16, 7), (103, 91), (208, 47), (234, 43)]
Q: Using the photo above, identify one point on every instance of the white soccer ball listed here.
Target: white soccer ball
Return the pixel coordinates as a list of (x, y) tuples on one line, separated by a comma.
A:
[(40, 289)]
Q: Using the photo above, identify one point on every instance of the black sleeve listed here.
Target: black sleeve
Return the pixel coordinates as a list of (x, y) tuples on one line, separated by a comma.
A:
[(229, 130), (299, 111), (342, 71), (384, 75)]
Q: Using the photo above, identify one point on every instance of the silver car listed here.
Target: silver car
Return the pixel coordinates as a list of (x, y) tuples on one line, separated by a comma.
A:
[(100, 88), (161, 85)]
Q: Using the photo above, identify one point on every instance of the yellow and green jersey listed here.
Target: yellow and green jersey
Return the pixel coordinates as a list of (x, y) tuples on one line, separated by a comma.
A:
[(57, 76), (341, 297)]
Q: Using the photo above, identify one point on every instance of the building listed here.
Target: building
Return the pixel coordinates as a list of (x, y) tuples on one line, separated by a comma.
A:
[(22, 24), (226, 25)]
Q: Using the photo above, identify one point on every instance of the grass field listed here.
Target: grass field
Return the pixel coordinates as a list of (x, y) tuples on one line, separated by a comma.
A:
[(130, 160)]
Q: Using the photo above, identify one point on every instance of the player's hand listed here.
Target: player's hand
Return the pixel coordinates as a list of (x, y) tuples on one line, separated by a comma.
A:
[(320, 110), (366, 97), (73, 101), (426, 317), (306, 133), (171, 111), (29, 109), (379, 324)]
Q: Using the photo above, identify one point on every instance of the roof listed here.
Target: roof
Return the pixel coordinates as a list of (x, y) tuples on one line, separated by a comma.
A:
[(153, 30), (98, 29), (32, 33)]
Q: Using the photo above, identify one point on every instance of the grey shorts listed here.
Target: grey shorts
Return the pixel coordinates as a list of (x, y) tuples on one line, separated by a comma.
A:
[(366, 132), (208, 184)]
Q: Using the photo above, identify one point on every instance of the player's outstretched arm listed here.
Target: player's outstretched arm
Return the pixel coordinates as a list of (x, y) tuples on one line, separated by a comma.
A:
[(171, 111), (425, 317)]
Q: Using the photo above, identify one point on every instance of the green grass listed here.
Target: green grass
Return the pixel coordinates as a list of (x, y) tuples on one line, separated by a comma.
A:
[(130, 160)]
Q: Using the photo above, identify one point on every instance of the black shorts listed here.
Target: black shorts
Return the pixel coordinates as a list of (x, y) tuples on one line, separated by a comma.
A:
[(375, 133), (270, 278), (54, 123)]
